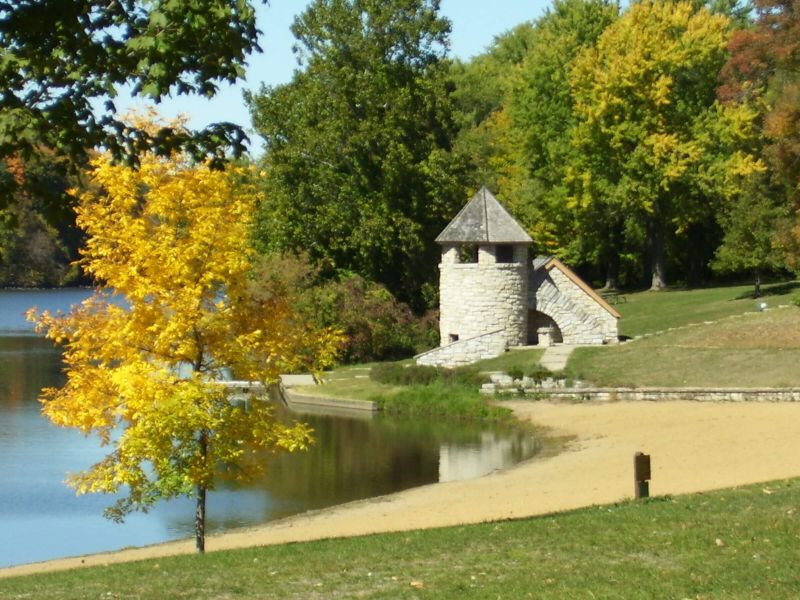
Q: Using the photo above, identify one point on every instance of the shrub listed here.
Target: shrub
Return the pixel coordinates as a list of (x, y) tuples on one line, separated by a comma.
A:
[(376, 325), (537, 372), (443, 401), (515, 372), (400, 374)]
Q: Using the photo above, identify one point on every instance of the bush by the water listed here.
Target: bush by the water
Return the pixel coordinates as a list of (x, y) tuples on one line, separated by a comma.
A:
[(376, 325), (442, 400), (435, 392), (405, 374)]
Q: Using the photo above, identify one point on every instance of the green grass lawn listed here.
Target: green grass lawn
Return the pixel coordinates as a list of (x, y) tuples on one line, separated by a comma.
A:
[(753, 350), (739, 543), (521, 359), (648, 312)]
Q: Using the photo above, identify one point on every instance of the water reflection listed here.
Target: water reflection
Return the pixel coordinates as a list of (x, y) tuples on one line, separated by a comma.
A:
[(492, 451), (353, 458)]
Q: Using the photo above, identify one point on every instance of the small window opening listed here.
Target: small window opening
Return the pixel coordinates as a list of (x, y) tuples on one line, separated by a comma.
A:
[(453, 337), (504, 253), (468, 253)]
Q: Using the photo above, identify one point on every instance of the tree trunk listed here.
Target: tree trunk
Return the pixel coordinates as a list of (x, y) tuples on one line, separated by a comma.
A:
[(612, 272), (659, 269), (697, 258), (612, 259), (757, 282), (200, 513), (200, 520)]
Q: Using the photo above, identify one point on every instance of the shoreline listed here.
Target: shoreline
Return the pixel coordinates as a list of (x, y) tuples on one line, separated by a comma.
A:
[(695, 447)]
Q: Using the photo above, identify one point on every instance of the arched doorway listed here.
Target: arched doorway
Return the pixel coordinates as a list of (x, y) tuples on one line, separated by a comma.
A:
[(538, 319)]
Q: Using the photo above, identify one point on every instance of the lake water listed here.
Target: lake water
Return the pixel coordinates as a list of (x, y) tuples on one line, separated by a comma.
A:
[(353, 458)]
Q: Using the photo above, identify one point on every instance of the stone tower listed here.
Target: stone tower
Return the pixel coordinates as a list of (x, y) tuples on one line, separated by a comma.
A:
[(483, 276)]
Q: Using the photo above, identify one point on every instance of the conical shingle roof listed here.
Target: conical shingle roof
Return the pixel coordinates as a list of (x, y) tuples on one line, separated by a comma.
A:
[(484, 221)]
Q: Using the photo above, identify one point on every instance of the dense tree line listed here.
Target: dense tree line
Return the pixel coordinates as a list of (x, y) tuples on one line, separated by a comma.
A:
[(38, 236), (617, 151), (646, 145)]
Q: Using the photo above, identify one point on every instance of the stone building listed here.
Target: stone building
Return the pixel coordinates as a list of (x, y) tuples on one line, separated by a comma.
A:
[(492, 296)]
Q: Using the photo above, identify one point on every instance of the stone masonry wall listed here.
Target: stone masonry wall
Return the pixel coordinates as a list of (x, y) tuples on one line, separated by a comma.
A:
[(477, 298), (465, 351), (669, 394), (580, 319)]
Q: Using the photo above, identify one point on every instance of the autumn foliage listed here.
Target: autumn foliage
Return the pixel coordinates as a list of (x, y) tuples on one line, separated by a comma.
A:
[(765, 65), (169, 242)]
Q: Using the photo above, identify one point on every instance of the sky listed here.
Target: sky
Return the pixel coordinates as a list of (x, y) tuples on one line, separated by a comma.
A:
[(475, 23)]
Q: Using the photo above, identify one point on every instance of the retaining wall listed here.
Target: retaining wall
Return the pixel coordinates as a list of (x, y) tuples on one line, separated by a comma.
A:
[(656, 394)]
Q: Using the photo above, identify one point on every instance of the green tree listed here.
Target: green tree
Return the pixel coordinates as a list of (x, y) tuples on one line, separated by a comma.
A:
[(752, 226), (358, 163), (482, 86), (654, 148), (38, 235), (542, 110), (62, 63)]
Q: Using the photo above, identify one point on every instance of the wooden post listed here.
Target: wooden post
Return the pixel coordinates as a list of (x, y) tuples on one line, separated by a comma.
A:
[(641, 475)]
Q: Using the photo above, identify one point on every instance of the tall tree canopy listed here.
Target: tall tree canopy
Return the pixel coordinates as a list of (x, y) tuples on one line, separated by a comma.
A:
[(485, 135), (764, 69), (171, 240), (62, 63), (358, 162), (542, 109), (765, 63), (655, 150)]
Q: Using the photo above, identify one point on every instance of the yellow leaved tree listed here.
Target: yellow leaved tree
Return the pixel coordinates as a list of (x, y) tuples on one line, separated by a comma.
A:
[(170, 240)]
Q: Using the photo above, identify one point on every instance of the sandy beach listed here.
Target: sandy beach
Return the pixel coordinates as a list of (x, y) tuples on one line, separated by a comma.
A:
[(694, 447)]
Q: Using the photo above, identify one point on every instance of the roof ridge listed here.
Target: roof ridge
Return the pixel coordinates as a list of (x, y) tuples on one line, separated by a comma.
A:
[(484, 220)]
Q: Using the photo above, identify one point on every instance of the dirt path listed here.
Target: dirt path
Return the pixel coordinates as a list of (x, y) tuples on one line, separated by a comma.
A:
[(694, 447)]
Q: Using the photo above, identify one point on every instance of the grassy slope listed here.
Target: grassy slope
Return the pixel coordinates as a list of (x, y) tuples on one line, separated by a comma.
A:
[(730, 544), (648, 312), (736, 350)]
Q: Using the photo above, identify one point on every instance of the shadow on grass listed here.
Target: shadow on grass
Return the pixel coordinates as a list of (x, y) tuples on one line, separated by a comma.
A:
[(779, 289), (767, 289)]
